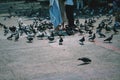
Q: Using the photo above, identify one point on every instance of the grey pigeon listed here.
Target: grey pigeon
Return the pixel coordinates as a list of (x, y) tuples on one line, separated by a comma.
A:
[(109, 38), (82, 40)]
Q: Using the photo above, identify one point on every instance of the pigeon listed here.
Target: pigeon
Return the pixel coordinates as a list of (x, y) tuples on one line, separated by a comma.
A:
[(115, 31), (98, 30), (60, 33), (109, 38), (52, 34), (10, 37), (69, 31), (85, 59), (51, 37), (77, 22), (91, 26), (92, 38), (90, 33), (40, 36), (82, 40), (101, 35), (16, 36), (1, 24), (107, 28), (30, 38), (110, 22), (6, 30), (85, 21), (60, 41), (81, 32), (87, 29)]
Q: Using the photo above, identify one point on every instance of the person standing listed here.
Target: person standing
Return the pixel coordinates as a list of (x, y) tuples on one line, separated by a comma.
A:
[(55, 13), (69, 8), (63, 14)]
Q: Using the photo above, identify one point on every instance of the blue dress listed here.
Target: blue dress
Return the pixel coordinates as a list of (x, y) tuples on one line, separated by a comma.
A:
[(55, 13)]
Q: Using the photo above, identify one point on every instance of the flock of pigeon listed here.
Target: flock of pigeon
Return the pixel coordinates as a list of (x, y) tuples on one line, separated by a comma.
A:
[(39, 29), (104, 27)]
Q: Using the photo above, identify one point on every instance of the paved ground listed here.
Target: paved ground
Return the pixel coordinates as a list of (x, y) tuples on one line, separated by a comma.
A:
[(42, 60)]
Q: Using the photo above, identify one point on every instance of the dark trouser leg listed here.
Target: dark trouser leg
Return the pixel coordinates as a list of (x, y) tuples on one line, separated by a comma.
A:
[(69, 14)]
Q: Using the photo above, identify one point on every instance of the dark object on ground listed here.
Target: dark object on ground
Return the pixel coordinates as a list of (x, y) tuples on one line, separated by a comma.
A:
[(90, 33), (82, 40), (40, 36), (16, 36), (50, 38), (109, 38), (80, 31), (92, 38), (10, 37), (115, 30), (61, 41), (107, 28), (85, 59), (101, 35), (69, 31), (6, 30), (30, 38)]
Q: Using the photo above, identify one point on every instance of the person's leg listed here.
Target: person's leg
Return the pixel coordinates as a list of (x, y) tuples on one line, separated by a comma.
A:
[(63, 13), (69, 14)]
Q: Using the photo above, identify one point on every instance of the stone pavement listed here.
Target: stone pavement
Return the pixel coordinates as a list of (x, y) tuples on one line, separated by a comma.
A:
[(42, 60)]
